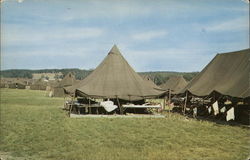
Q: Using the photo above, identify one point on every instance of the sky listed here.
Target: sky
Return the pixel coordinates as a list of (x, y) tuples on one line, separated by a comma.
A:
[(159, 35)]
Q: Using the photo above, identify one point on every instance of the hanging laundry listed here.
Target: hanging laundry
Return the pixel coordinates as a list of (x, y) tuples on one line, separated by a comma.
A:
[(209, 110), (216, 108), (223, 110), (195, 111), (108, 106), (230, 114)]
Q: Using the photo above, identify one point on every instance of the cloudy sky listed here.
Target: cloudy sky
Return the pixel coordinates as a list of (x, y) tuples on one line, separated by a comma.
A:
[(159, 35)]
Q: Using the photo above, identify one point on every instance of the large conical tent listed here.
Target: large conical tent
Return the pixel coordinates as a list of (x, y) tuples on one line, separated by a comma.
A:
[(175, 84), (115, 78), (227, 74), (149, 81)]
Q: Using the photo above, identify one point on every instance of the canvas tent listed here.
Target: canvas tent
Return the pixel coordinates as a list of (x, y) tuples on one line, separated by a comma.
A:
[(115, 78), (51, 84), (3, 83), (227, 74), (175, 84), (149, 81), (17, 84), (68, 80), (38, 85)]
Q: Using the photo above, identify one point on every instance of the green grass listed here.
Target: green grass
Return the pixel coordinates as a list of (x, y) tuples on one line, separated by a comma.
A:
[(34, 127)]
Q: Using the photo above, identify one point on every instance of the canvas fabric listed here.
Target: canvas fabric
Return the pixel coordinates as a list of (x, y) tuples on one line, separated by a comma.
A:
[(216, 108), (230, 114), (115, 78), (108, 105), (227, 74), (175, 84)]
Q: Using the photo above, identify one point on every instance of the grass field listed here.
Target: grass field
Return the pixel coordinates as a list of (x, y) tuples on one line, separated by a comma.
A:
[(34, 127)]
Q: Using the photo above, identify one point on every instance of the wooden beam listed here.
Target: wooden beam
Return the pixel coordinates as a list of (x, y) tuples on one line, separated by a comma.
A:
[(119, 105), (64, 102), (71, 106), (89, 107), (97, 112), (185, 104)]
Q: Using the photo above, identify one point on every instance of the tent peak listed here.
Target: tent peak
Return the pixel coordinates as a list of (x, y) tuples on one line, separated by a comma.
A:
[(114, 50)]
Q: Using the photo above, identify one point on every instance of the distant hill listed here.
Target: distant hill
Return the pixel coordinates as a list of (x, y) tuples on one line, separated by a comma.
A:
[(158, 77)]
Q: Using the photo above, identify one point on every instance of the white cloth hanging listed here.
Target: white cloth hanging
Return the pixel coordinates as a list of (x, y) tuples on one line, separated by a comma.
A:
[(230, 114), (216, 108), (223, 110), (108, 105), (209, 110), (195, 111)]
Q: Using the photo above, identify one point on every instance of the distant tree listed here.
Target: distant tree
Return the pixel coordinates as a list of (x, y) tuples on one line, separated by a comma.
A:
[(158, 79), (27, 75)]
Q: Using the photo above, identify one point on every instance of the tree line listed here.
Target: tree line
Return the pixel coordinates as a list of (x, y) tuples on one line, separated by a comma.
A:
[(158, 77)]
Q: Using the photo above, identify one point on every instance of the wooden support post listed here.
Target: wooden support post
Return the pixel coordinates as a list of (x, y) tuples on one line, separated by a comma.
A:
[(119, 105), (89, 107), (71, 106), (164, 103), (185, 104), (86, 108), (97, 112)]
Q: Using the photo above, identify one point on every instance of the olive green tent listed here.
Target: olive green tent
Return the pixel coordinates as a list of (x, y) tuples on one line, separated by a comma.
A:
[(17, 84), (149, 81), (175, 84), (227, 74), (2, 85), (38, 85), (68, 80), (20, 83), (115, 78)]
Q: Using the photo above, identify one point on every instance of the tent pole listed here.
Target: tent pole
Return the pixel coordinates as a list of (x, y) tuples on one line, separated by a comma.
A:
[(71, 106), (89, 107), (185, 104), (121, 109), (97, 109)]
